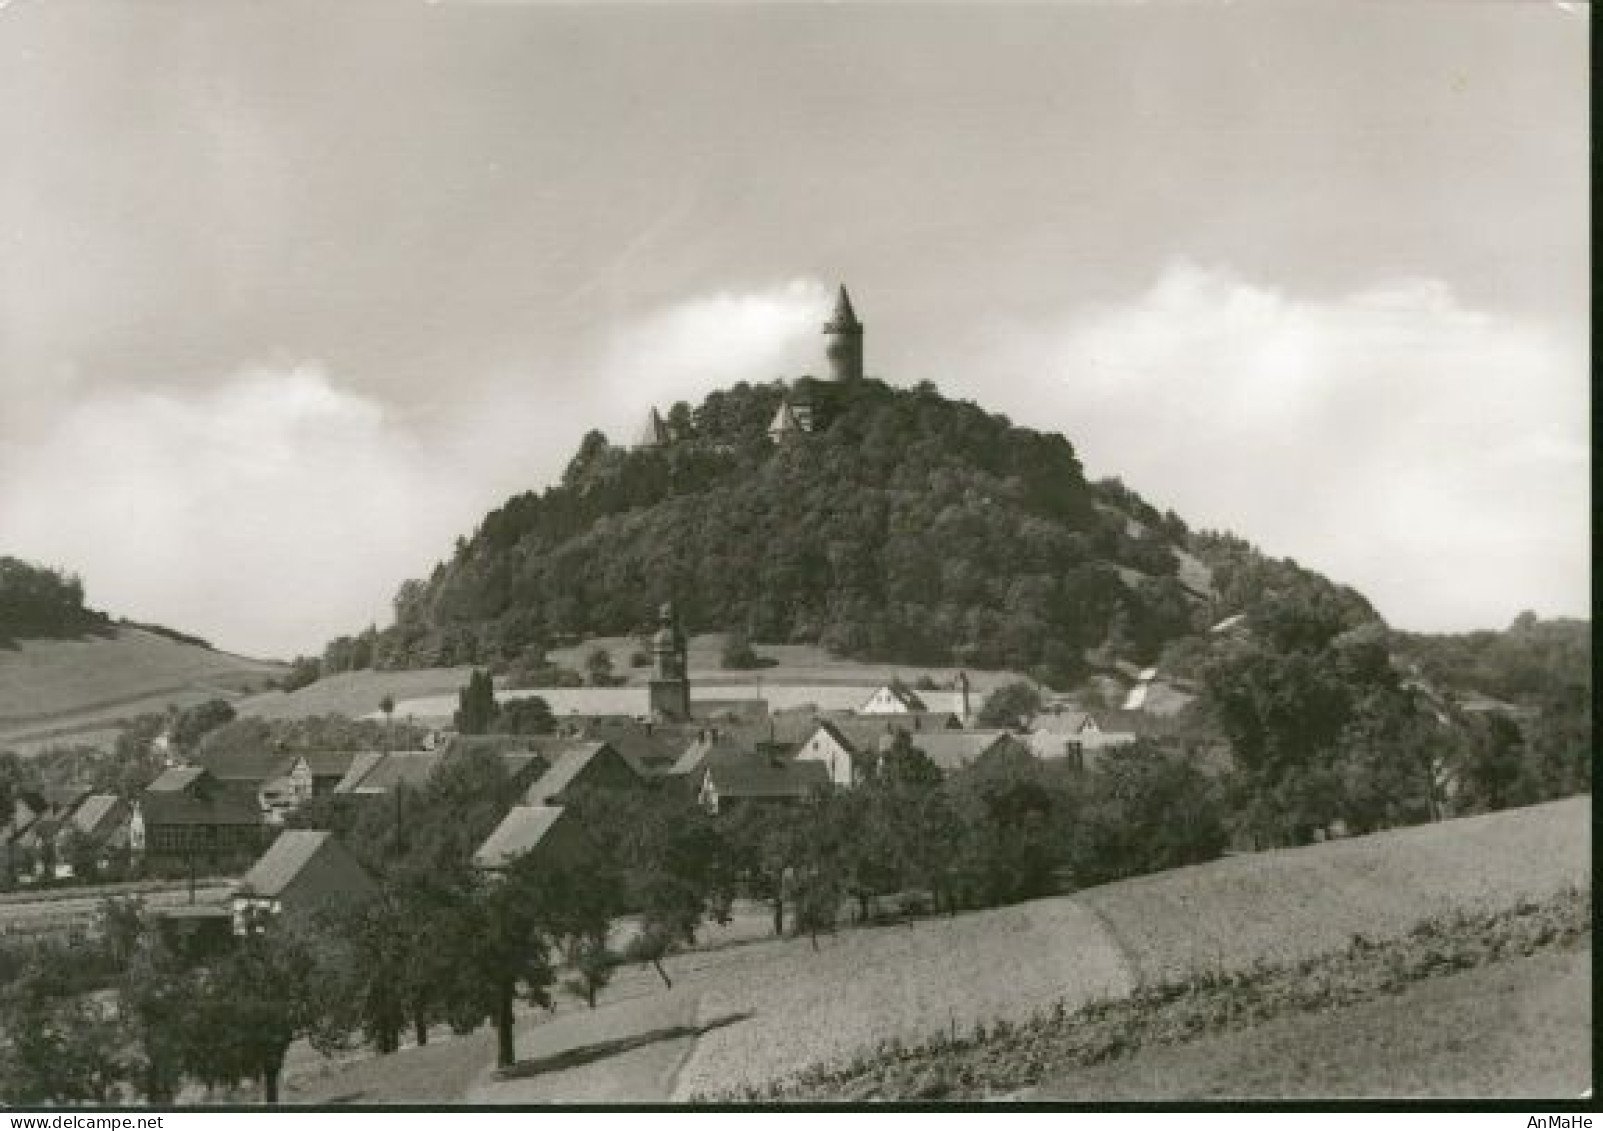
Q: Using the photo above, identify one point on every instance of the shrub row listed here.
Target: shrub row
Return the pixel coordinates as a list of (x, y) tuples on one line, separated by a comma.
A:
[(1003, 1058)]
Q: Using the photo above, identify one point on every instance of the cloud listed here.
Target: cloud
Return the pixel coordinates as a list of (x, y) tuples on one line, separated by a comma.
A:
[(1434, 456), (689, 349), (261, 512), (278, 508)]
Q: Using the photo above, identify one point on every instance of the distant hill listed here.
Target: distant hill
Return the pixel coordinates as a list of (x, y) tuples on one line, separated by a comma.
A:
[(905, 529), (77, 689)]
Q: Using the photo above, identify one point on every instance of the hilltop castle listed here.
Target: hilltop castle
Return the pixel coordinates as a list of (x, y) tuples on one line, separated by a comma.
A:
[(843, 349), (845, 335)]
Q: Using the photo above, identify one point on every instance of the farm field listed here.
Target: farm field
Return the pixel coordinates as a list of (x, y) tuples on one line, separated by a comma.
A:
[(1522, 1027), (62, 687), (759, 1012), (354, 693), (1295, 903), (431, 692)]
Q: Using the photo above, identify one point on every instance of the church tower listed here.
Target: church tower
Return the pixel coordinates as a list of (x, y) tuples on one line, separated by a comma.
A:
[(670, 681), (845, 341)]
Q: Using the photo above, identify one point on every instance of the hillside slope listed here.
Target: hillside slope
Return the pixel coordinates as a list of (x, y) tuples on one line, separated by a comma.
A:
[(757, 1013), (905, 528), (65, 688)]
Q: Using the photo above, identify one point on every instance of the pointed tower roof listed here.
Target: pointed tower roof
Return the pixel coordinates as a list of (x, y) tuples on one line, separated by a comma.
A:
[(845, 319), (653, 433)]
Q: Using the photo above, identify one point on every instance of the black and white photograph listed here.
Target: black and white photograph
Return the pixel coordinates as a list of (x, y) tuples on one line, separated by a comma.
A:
[(769, 553)]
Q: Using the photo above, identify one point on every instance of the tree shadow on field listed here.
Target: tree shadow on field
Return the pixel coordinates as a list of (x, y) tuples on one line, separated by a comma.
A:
[(588, 1054)]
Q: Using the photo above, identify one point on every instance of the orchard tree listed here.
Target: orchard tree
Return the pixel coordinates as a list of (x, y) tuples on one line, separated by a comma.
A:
[(672, 863), (516, 928), (271, 990)]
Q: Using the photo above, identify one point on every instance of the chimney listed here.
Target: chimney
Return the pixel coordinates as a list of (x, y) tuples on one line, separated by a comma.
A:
[(962, 687)]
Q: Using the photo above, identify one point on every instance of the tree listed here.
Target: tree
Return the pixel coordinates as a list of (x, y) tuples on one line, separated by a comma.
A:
[(58, 1051), (1012, 820), (515, 927), (1284, 713), (905, 764), (251, 1005), (528, 715), (768, 844), (36, 601), (598, 666), (1012, 705), (1148, 809), (739, 655), (155, 992), (476, 705), (672, 864), (1492, 766), (59, 1041), (303, 672), (592, 964), (196, 722)]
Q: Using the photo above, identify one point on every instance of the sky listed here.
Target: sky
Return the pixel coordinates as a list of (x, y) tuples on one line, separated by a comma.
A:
[(291, 294)]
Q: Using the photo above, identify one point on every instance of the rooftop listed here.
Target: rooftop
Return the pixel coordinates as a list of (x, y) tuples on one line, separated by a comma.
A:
[(520, 831)]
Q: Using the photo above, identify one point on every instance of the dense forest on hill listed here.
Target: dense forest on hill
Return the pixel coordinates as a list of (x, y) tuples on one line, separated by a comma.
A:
[(1530, 662), (39, 602), (906, 528)]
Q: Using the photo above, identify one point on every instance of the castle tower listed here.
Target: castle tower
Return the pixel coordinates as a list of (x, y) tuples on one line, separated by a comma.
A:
[(653, 432), (845, 341), (670, 682)]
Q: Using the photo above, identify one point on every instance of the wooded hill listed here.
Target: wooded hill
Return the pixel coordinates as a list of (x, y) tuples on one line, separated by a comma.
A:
[(905, 528)]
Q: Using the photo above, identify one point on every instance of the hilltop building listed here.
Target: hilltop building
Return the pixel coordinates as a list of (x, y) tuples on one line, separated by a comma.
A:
[(654, 431), (793, 418), (844, 350), (670, 684), (845, 340)]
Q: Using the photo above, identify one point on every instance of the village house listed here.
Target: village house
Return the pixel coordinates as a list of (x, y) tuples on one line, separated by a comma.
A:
[(305, 870), (581, 765), (92, 836), (847, 746), (892, 699), (710, 744), (829, 747), (952, 750), (548, 832), (187, 820), (650, 748), (728, 784), (375, 773), (308, 774), (282, 780)]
